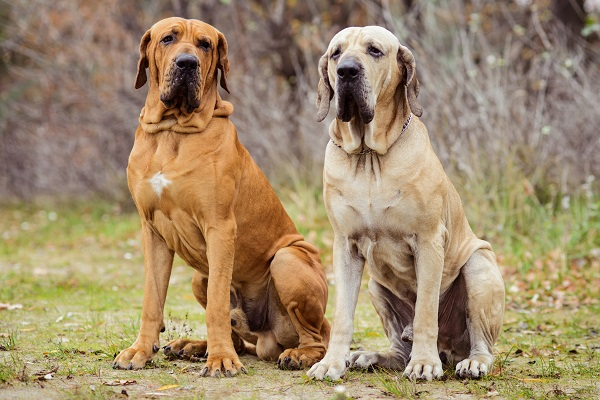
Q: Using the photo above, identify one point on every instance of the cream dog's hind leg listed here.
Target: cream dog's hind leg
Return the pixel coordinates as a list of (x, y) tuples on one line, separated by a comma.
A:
[(396, 316), (485, 310)]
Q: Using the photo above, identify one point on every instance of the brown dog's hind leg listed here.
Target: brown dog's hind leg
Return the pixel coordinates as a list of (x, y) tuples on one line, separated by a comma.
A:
[(302, 289), (186, 349), (195, 350)]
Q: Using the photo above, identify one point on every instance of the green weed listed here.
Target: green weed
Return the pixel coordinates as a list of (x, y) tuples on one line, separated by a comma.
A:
[(81, 299), (8, 340), (398, 386)]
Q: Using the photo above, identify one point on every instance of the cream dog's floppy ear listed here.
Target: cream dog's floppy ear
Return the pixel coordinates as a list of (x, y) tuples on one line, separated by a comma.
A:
[(324, 89), (406, 62), (223, 63), (141, 77)]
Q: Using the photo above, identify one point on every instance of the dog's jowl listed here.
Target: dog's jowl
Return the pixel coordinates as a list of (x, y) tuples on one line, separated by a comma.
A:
[(200, 195), (434, 284)]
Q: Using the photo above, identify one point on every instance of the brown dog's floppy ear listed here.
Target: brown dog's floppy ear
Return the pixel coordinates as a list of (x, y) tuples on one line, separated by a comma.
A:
[(324, 89), (141, 78), (406, 62), (223, 64)]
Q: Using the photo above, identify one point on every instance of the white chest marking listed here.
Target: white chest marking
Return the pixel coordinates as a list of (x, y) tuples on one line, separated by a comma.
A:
[(159, 182)]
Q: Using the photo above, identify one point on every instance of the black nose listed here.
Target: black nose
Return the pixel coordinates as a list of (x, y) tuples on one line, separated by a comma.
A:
[(348, 70), (186, 61)]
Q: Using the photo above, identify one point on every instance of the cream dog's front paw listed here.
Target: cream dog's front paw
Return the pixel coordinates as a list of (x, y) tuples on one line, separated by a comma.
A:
[(474, 367), (423, 369), (330, 369)]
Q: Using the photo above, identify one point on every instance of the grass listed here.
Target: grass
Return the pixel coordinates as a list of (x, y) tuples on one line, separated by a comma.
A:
[(76, 272)]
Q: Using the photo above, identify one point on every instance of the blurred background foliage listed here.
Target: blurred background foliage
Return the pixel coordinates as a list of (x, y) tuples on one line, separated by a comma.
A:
[(510, 90)]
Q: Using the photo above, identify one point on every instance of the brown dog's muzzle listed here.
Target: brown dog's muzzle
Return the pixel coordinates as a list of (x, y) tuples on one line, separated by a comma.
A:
[(182, 83), (353, 90), (187, 62)]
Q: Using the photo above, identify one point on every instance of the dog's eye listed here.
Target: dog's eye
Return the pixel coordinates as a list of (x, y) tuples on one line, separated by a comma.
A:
[(204, 45), (336, 54), (167, 39), (375, 52)]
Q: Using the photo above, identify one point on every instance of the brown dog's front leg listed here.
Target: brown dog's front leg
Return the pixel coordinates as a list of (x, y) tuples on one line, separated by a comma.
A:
[(158, 261), (220, 248)]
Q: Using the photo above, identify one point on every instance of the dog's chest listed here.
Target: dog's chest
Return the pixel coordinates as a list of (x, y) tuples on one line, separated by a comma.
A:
[(362, 205), (154, 176), (377, 215), (163, 183)]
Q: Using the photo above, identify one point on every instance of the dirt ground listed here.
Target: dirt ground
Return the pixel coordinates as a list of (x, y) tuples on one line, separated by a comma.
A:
[(70, 300)]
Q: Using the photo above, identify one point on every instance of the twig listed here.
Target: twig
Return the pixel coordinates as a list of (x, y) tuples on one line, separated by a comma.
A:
[(538, 28)]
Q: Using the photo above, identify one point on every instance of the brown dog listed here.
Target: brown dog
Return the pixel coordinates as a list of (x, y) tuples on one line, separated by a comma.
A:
[(200, 195)]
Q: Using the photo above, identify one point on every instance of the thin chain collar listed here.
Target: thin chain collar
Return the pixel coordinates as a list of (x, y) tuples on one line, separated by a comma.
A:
[(367, 151)]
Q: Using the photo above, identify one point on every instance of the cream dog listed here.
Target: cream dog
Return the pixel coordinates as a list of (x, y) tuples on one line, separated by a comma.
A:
[(434, 284)]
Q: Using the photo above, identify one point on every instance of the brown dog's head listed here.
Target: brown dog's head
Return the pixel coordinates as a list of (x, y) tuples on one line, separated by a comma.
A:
[(359, 66), (182, 57)]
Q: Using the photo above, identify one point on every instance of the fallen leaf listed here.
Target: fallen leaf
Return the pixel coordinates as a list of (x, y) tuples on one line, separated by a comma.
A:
[(167, 387), (532, 380), (45, 373), (10, 307)]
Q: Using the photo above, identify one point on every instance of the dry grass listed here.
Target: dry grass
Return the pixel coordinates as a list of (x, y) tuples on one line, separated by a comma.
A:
[(509, 97)]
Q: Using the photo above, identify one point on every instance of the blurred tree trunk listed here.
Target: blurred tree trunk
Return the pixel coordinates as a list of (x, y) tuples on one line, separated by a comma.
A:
[(570, 13), (181, 9)]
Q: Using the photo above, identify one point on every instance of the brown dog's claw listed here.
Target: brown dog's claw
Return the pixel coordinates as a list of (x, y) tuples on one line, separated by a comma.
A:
[(204, 371), (155, 348), (243, 369), (217, 373), (228, 373)]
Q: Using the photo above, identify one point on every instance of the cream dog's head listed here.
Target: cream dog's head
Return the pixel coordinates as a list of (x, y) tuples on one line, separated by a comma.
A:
[(182, 57), (360, 66)]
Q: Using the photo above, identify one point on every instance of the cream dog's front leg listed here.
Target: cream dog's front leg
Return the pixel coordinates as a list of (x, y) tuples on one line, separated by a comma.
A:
[(348, 267), (425, 361)]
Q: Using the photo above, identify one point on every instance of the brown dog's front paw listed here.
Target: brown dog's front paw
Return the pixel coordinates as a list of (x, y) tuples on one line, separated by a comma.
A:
[(300, 358), (193, 350), (134, 357), (224, 365)]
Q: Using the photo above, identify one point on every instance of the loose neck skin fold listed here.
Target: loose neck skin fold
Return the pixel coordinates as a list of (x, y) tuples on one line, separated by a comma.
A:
[(391, 113)]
